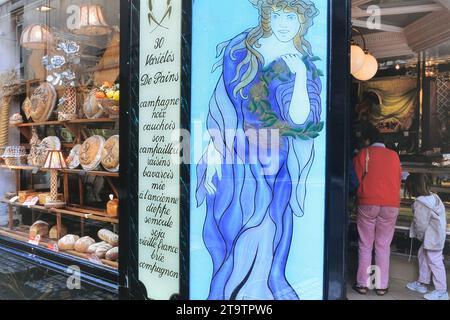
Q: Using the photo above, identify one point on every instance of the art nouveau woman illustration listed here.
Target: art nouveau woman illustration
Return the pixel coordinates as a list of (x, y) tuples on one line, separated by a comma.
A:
[(268, 80)]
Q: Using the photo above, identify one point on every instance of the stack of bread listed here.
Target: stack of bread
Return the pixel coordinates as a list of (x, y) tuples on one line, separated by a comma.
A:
[(106, 249)]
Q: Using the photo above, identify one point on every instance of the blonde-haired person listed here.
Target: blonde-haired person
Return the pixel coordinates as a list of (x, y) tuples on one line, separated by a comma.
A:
[(268, 81)]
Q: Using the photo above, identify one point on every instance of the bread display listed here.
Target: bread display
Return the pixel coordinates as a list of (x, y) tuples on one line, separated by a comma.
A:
[(68, 242), (53, 234), (109, 237), (43, 102), (91, 152), (39, 228), (112, 254), (110, 154), (92, 108), (60, 126), (82, 245), (73, 160)]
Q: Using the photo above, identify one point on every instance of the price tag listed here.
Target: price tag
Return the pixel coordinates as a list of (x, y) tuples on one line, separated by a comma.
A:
[(31, 201), (34, 240), (14, 199), (53, 246), (35, 170), (94, 259)]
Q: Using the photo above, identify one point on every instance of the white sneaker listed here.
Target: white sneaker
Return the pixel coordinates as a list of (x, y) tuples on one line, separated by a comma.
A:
[(417, 287), (436, 295)]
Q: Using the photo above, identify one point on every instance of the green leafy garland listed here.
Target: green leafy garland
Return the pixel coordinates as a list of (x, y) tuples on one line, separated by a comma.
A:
[(260, 105)]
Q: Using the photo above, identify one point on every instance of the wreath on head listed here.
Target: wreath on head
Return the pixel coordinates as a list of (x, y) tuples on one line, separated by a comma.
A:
[(261, 107)]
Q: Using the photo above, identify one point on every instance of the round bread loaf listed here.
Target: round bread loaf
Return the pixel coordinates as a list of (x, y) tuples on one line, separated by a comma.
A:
[(91, 152), (83, 244), (110, 154), (43, 102), (113, 254), (68, 242), (92, 248), (102, 250)]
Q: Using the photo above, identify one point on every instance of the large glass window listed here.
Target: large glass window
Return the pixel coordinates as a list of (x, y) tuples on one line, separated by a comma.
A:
[(59, 134)]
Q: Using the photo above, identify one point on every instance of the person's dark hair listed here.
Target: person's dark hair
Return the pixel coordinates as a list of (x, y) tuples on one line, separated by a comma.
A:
[(372, 134), (371, 98), (417, 185)]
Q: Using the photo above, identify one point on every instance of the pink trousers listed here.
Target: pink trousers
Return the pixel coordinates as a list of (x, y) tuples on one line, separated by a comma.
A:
[(376, 227), (431, 263)]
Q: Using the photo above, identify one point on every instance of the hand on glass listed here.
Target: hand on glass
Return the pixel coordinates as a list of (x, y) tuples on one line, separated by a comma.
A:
[(295, 63)]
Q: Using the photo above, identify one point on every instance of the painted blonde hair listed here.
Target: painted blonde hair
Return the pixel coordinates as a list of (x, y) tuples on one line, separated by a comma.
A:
[(306, 11)]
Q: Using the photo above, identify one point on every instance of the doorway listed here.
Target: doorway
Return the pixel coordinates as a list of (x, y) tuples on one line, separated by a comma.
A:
[(408, 101)]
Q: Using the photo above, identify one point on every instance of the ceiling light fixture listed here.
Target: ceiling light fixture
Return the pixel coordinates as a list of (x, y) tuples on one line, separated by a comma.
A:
[(363, 67), (36, 36), (92, 21)]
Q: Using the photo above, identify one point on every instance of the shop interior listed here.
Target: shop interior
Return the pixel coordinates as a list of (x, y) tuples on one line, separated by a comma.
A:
[(59, 136), (408, 100)]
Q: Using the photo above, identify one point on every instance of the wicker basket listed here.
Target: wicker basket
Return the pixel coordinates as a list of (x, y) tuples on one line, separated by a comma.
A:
[(110, 106), (15, 156)]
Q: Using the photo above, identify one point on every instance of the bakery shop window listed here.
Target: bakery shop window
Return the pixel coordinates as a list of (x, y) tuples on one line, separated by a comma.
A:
[(59, 128)]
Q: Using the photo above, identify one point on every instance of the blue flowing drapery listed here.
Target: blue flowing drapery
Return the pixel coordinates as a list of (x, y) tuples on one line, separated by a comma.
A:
[(249, 220)]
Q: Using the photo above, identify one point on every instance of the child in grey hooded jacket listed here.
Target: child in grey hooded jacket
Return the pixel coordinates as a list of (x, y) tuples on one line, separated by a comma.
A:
[(429, 227)]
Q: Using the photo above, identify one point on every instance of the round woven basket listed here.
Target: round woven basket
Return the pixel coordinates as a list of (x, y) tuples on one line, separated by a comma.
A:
[(15, 155), (110, 106), (11, 162)]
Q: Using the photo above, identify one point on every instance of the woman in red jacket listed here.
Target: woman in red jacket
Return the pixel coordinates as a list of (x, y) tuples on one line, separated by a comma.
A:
[(379, 173)]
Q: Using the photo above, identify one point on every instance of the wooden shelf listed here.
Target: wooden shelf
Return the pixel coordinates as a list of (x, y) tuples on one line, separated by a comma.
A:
[(62, 123), (71, 211), (23, 236), (79, 172), (22, 167), (91, 173)]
